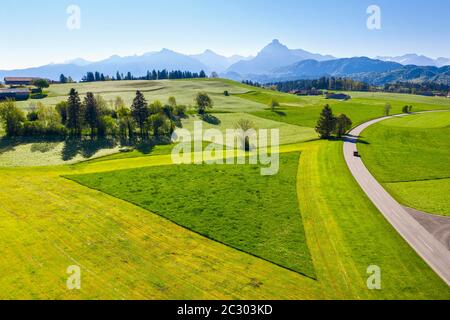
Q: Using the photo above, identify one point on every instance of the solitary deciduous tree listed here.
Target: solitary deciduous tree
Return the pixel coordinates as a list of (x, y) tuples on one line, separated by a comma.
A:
[(343, 124), (387, 109), (274, 104), (203, 102), (41, 83), (245, 125)]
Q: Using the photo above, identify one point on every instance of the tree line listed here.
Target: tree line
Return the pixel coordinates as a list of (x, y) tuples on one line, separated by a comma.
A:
[(95, 117), (347, 84), (323, 83), (151, 75), (424, 88)]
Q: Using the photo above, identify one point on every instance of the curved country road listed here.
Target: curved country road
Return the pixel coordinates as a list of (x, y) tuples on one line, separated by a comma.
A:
[(433, 252)]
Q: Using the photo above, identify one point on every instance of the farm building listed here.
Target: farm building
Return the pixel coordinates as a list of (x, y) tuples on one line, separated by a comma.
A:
[(16, 94), (311, 92), (20, 81), (338, 96)]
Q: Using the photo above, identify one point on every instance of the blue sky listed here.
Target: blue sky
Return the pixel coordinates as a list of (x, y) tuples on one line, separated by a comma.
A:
[(37, 34)]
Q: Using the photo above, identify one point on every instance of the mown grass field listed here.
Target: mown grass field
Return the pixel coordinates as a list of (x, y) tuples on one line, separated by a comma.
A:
[(304, 111), (128, 251), (410, 156), (296, 117), (346, 234), (232, 204), (39, 152), (289, 133), (183, 90), (49, 223)]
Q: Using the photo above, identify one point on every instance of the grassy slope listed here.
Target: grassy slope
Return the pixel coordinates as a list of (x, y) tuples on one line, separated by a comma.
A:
[(154, 258), (183, 90), (430, 196), (288, 133), (410, 156), (304, 111), (298, 114), (346, 234), (231, 204), (49, 223), (59, 223), (47, 153)]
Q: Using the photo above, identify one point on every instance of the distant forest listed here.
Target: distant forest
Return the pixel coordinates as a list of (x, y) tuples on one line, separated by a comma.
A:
[(151, 75), (347, 84)]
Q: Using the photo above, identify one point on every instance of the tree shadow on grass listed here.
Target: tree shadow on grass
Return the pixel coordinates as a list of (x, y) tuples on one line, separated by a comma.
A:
[(7, 144), (37, 144), (280, 113), (352, 139), (211, 119), (44, 147), (147, 146), (71, 149), (84, 147), (87, 148), (360, 141)]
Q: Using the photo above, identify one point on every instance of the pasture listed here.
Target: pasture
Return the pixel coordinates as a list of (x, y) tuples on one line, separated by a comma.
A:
[(410, 155), (234, 205), (141, 228)]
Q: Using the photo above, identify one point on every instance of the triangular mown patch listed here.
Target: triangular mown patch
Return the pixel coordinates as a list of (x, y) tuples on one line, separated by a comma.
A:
[(232, 204)]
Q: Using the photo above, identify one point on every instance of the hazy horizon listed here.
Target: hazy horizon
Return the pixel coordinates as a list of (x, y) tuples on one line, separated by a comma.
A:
[(231, 28)]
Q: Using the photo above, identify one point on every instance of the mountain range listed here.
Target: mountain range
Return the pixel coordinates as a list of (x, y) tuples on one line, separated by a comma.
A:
[(273, 56), (418, 60), (217, 62), (375, 72), (275, 62)]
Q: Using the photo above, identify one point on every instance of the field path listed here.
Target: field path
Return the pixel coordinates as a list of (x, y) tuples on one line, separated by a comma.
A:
[(433, 252)]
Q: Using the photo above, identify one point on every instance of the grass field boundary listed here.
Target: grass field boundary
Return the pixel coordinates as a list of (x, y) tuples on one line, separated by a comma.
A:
[(68, 177), (424, 244), (417, 180)]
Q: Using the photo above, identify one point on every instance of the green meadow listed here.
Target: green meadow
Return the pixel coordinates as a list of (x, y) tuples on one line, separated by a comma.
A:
[(231, 204), (410, 156), (142, 228)]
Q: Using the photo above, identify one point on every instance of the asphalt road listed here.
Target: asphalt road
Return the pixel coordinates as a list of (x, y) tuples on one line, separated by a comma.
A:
[(433, 252)]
